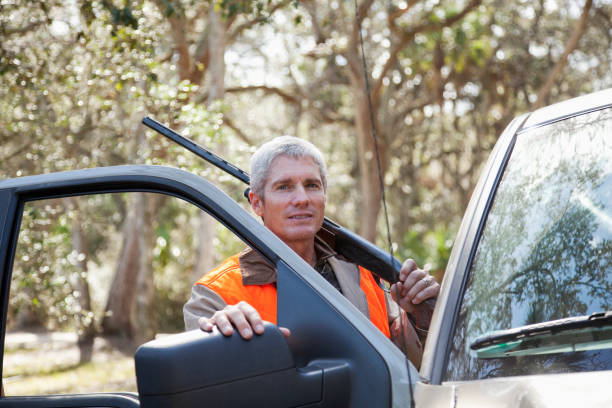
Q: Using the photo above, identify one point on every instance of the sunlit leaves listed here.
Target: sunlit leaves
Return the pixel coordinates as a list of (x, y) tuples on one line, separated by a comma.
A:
[(45, 268), (258, 8), (121, 16)]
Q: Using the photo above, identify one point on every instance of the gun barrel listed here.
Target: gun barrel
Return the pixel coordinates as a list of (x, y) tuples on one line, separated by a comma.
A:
[(198, 150)]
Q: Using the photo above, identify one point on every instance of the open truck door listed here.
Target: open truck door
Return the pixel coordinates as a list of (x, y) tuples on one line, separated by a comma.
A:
[(334, 356)]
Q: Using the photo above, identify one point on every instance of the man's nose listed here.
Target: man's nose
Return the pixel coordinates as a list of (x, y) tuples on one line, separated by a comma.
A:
[(300, 196)]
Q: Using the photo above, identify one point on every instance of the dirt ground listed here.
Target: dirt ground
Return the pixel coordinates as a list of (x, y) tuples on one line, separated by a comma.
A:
[(48, 363)]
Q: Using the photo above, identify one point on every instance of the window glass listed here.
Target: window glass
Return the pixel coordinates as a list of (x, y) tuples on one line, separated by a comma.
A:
[(73, 324), (546, 250)]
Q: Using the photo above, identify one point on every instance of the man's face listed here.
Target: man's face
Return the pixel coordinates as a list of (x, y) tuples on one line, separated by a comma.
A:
[(294, 199)]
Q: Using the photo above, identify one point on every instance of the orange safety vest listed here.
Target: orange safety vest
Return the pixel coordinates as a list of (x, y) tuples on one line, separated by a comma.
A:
[(226, 281)]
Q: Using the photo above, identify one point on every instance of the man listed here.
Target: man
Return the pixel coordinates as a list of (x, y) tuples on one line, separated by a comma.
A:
[(288, 191)]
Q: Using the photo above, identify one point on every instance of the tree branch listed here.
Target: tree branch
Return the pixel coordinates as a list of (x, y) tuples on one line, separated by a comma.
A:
[(201, 57), (570, 46), (363, 10), (310, 6), (21, 30), (409, 35), (230, 124), (250, 23), (18, 151), (324, 115), (177, 29), (394, 16), (267, 89)]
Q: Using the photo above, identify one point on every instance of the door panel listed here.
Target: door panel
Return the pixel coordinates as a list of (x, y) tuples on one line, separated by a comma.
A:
[(123, 400)]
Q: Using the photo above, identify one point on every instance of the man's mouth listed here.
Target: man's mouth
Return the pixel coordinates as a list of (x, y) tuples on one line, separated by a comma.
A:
[(300, 216)]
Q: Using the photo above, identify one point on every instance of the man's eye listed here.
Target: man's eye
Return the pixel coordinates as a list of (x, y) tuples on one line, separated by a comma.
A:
[(313, 186), (283, 187)]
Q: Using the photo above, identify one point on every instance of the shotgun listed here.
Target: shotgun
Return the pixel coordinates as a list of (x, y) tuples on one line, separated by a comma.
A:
[(343, 241)]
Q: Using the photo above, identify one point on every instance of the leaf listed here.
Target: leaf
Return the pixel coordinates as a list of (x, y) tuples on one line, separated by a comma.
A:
[(169, 12), (460, 37), (87, 12), (128, 18)]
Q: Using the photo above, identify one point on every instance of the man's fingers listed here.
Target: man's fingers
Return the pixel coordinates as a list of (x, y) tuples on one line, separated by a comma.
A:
[(205, 324), (423, 289), (395, 289), (244, 317), (252, 316), (237, 317), (411, 281), (430, 292), (222, 322), (408, 266), (286, 332)]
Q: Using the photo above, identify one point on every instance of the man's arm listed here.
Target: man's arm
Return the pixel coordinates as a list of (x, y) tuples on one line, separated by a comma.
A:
[(203, 302), (206, 309), (403, 333), (411, 292)]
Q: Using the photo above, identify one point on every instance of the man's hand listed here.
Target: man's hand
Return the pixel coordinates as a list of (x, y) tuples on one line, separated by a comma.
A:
[(242, 315), (414, 286)]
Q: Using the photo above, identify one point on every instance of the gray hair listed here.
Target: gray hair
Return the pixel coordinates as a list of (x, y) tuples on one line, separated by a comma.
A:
[(282, 146)]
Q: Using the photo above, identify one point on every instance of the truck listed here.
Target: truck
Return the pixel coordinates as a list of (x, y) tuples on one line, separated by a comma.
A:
[(523, 317)]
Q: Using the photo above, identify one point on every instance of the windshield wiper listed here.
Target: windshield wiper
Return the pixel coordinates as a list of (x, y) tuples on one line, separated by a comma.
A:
[(556, 336)]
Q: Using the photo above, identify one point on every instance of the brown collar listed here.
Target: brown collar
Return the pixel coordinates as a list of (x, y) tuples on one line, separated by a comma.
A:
[(256, 270)]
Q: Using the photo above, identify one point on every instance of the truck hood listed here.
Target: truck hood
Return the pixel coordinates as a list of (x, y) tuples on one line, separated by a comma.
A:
[(554, 390)]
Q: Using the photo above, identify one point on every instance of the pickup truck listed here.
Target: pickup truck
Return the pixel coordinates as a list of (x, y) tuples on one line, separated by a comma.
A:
[(523, 317)]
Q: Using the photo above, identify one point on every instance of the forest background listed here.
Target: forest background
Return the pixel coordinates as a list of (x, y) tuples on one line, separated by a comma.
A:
[(77, 77)]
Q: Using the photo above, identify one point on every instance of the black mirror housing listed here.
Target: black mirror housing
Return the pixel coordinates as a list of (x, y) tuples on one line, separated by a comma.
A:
[(195, 369)]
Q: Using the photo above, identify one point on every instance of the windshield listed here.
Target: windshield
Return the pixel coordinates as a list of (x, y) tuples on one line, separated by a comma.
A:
[(546, 250)]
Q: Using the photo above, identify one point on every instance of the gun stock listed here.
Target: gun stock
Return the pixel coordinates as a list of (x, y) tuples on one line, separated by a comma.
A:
[(345, 243)]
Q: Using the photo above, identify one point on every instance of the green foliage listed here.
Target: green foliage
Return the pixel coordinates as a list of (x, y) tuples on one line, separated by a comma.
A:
[(430, 249), (87, 12), (173, 260), (46, 271), (257, 8), (121, 16)]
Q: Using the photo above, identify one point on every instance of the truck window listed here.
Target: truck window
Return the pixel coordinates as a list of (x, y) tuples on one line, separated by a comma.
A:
[(546, 250), (93, 278)]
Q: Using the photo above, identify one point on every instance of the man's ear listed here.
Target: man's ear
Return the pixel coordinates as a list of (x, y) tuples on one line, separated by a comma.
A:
[(256, 203)]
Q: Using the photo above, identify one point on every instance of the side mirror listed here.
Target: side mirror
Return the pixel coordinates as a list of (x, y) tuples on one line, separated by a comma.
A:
[(195, 369)]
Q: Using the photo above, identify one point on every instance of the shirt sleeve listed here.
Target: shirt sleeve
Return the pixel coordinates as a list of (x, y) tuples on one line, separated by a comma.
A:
[(412, 339), (393, 309), (204, 302)]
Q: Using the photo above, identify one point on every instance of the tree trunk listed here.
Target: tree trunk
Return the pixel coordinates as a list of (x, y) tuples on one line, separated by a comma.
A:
[(143, 317), (142, 313), (204, 256), (216, 43), (86, 322), (369, 183), (117, 319)]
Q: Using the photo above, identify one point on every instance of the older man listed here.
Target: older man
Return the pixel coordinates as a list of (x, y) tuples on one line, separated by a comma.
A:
[(288, 191)]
